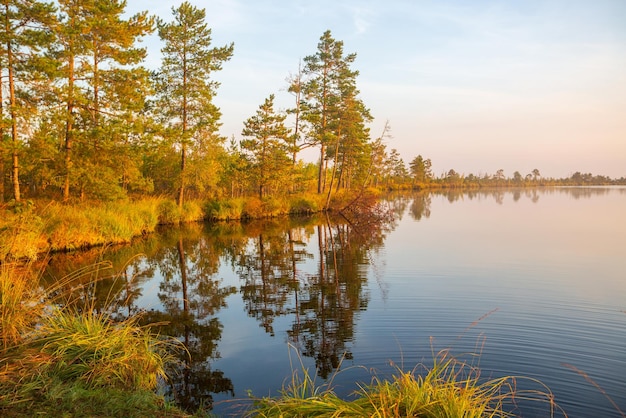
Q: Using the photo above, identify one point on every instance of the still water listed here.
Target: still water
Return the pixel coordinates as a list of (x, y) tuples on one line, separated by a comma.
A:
[(532, 281)]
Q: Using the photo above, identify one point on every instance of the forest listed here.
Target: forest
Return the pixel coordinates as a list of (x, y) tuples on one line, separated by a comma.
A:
[(83, 119)]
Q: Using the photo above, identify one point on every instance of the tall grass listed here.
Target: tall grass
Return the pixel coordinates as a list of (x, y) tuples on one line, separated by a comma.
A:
[(27, 231), (20, 306), (56, 227), (92, 349), (52, 352), (448, 388)]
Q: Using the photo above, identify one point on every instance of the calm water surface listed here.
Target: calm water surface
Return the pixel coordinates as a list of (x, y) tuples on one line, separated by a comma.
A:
[(532, 280)]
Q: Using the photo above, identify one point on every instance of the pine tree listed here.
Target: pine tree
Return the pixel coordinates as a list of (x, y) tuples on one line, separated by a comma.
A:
[(103, 89), (184, 85), (23, 35), (267, 144), (333, 110)]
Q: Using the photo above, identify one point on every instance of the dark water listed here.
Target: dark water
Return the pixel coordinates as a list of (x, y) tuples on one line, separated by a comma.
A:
[(534, 281)]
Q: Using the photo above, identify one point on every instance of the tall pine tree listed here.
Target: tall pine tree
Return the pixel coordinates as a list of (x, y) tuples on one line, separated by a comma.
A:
[(331, 107), (333, 110), (184, 83), (101, 86), (23, 34)]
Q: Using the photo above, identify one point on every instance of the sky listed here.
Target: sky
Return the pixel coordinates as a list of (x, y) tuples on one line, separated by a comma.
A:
[(475, 86)]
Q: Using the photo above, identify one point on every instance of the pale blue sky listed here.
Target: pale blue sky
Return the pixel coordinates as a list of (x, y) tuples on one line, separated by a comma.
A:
[(475, 86)]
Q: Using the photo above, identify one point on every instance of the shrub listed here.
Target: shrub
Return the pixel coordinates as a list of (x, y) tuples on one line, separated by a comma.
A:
[(305, 204), (252, 208), (192, 212), (274, 206), (168, 212)]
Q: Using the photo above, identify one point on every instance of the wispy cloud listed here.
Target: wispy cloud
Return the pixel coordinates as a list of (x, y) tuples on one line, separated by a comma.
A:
[(362, 18)]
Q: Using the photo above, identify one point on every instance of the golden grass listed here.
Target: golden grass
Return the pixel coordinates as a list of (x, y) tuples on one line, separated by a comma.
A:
[(448, 388), (53, 351)]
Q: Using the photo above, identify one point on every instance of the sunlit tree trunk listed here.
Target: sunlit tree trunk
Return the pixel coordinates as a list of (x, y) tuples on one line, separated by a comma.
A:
[(15, 180), (69, 122)]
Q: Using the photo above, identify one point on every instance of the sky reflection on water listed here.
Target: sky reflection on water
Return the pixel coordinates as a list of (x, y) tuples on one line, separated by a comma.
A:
[(537, 275)]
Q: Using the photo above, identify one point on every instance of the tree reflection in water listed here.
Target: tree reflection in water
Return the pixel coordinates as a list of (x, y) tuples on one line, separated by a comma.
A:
[(310, 270), (187, 261), (191, 296), (323, 303)]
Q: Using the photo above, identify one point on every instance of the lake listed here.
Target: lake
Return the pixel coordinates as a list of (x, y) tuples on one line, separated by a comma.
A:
[(528, 283)]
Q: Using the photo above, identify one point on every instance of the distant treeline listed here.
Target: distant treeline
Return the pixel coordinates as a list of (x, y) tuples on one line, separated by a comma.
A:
[(416, 178)]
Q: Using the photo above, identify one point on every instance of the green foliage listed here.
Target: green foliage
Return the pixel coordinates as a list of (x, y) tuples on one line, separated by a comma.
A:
[(75, 400), (252, 208), (266, 143), (192, 212), (275, 206), (184, 86), (335, 113), (308, 203)]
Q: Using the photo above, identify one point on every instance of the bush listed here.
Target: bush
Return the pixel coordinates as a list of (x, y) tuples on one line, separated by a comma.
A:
[(305, 204), (192, 212), (252, 208), (274, 206), (168, 212), (224, 210)]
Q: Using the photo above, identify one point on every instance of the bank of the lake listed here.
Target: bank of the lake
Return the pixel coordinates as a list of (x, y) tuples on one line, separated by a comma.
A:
[(32, 228)]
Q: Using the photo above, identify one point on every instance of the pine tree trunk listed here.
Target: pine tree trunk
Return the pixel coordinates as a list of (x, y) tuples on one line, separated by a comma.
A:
[(69, 125), (181, 190)]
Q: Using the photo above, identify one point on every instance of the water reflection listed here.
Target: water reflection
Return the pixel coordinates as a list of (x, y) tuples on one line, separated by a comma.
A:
[(190, 296), (322, 302), (272, 260), (310, 275), (420, 207)]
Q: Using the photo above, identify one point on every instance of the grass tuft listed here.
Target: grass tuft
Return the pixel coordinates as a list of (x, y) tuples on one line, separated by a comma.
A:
[(448, 388), (19, 305), (53, 357), (92, 349)]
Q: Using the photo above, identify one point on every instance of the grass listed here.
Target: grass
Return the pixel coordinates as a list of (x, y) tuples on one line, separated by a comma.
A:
[(56, 359), (449, 388), (30, 230), (92, 349), (19, 305)]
